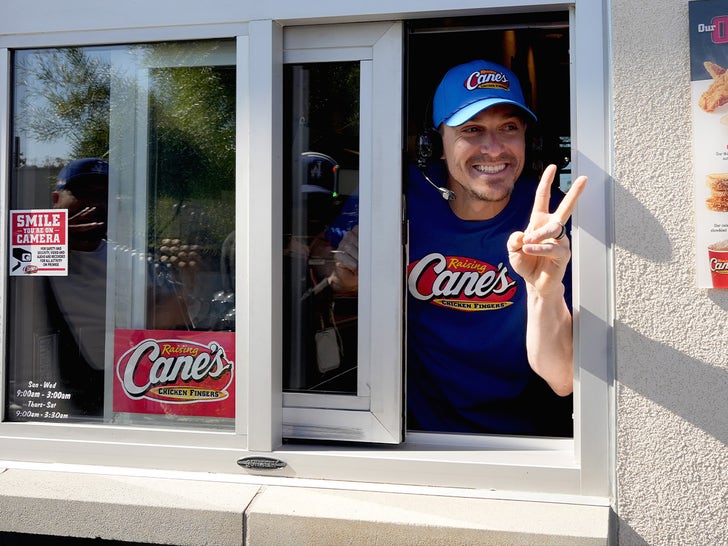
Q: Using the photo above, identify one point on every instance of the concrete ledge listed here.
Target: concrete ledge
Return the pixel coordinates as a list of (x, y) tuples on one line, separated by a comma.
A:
[(195, 512), (285, 516), (161, 511)]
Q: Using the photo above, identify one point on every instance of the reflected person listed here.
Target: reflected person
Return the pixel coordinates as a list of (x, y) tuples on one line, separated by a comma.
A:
[(78, 306)]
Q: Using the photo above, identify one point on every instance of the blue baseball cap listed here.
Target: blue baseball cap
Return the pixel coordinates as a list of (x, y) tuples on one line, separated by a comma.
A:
[(470, 88), (84, 177)]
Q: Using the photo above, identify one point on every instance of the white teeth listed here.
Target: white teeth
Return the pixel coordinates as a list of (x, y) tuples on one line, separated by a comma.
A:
[(490, 169)]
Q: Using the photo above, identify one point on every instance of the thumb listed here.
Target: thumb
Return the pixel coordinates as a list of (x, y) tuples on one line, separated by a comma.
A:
[(515, 241)]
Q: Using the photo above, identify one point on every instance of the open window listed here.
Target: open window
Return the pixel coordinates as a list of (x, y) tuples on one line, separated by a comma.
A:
[(487, 385), (342, 363), (570, 106)]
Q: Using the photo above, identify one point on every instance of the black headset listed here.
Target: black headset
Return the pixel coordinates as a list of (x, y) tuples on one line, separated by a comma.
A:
[(428, 144)]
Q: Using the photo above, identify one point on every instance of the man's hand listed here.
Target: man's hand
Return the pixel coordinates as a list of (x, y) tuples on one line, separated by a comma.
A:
[(345, 278), (540, 255), (536, 254), (85, 219)]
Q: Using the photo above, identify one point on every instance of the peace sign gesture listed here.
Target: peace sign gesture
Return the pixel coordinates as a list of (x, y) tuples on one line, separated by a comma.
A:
[(541, 253)]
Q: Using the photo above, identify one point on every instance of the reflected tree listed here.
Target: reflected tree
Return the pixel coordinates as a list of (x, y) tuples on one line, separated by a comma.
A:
[(65, 96)]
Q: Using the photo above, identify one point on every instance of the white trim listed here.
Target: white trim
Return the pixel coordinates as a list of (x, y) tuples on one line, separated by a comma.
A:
[(593, 276), (6, 157), (375, 414), (337, 485), (243, 199), (263, 235), (123, 36)]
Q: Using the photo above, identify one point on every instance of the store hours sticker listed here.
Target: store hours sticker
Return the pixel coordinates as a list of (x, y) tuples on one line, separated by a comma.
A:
[(39, 242)]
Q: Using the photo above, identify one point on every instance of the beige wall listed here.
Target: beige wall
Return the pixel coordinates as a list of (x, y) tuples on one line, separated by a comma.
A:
[(671, 337)]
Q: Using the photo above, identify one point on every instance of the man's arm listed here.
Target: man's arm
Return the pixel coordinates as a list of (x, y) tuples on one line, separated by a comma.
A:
[(549, 339), (540, 254)]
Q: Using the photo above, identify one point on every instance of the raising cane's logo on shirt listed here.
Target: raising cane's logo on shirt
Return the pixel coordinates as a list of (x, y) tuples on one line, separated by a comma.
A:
[(160, 373), (459, 283)]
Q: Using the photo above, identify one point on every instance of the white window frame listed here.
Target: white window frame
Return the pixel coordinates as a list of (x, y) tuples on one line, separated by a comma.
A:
[(574, 467), (106, 443), (375, 413), (581, 468)]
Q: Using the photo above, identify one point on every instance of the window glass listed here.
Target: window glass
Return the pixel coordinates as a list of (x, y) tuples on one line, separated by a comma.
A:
[(341, 325), (122, 218), (321, 216)]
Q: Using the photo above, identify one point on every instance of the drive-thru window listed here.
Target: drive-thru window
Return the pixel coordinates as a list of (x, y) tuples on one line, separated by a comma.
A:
[(176, 202)]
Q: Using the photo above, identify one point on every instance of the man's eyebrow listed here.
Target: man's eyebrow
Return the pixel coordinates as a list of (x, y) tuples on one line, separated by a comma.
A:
[(509, 112), (515, 112)]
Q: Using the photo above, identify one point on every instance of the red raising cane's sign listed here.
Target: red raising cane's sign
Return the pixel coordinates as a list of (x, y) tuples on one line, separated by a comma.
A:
[(174, 372)]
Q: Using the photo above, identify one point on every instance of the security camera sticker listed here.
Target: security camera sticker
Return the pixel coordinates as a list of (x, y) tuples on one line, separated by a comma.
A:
[(39, 242)]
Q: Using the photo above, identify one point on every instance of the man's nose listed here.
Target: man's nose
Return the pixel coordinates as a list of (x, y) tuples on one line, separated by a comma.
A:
[(490, 141)]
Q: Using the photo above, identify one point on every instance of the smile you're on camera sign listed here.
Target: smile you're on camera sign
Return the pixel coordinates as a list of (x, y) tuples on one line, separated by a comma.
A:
[(38, 242)]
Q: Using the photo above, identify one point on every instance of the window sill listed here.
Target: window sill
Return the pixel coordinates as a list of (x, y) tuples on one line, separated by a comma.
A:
[(209, 509)]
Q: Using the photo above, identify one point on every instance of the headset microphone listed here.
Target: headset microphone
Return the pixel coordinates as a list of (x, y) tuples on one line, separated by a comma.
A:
[(447, 195), (424, 152)]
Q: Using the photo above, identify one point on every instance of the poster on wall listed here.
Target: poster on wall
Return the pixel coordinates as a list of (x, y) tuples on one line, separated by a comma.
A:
[(173, 372), (709, 108), (38, 242)]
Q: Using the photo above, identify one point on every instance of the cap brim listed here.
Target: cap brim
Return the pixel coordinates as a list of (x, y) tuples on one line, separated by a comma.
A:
[(471, 110)]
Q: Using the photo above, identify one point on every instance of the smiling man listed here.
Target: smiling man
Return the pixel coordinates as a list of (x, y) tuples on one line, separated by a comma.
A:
[(490, 346)]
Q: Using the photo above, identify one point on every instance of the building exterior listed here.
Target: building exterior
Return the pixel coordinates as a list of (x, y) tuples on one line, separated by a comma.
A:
[(214, 424)]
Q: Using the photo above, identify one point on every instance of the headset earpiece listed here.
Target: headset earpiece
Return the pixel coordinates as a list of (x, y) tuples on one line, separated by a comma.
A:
[(427, 146)]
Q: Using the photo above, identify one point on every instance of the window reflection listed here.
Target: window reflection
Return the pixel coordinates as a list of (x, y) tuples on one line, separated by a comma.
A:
[(191, 196), (137, 143), (321, 209)]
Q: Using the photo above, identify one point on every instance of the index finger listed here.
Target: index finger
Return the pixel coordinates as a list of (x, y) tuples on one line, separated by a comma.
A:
[(568, 203), (543, 191)]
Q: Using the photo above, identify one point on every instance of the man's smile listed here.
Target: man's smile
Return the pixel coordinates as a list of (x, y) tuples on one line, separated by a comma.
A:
[(491, 168)]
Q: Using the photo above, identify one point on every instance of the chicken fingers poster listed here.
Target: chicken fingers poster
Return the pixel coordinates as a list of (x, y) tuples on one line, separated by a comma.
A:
[(709, 108)]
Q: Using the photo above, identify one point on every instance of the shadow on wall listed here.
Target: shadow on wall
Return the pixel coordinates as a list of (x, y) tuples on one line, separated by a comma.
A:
[(628, 536), (690, 388), (656, 247)]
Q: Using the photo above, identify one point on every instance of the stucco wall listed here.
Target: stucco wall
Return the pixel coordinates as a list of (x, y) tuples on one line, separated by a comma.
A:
[(671, 337)]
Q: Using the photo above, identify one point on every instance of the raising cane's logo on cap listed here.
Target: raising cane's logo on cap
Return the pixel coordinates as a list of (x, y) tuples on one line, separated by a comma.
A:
[(461, 284), (487, 79), (172, 371)]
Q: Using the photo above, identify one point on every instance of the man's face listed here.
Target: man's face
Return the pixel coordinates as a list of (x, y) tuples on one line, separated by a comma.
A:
[(485, 156), (86, 217)]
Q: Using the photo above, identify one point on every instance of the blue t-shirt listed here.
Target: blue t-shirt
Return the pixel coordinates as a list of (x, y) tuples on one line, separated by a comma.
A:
[(467, 367)]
